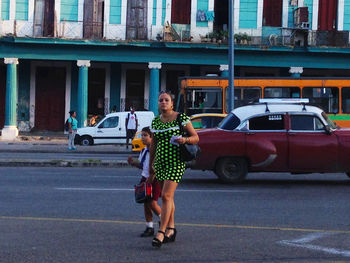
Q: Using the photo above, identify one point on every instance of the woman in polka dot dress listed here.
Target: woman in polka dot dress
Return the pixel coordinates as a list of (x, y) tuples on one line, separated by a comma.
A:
[(165, 162)]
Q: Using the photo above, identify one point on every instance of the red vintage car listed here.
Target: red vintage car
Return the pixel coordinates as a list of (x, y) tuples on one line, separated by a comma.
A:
[(274, 137)]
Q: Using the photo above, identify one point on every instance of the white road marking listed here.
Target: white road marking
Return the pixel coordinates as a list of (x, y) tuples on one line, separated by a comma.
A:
[(303, 243), (132, 189)]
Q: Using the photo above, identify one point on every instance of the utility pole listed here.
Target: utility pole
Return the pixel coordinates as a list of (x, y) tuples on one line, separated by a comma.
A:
[(231, 49)]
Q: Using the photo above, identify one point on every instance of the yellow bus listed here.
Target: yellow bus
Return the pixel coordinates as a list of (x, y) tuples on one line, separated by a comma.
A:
[(210, 94)]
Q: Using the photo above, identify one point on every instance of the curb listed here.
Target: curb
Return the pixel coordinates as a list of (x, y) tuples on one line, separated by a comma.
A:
[(62, 163)]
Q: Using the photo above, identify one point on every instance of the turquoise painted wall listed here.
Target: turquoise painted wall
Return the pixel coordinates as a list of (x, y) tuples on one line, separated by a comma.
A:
[(309, 4), (23, 90), (115, 85), (163, 11), (21, 9), (115, 14), (154, 15), (347, 15), (202, 5), (5, 9), (248, 14), (69, 10)]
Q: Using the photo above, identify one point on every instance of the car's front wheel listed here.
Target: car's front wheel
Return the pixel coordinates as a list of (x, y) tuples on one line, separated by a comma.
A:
[(231, 169), (86, 141), (348, 174)]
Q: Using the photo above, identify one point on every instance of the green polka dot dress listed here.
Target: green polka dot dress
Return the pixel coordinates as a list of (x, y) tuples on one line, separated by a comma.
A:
[(167, 164)]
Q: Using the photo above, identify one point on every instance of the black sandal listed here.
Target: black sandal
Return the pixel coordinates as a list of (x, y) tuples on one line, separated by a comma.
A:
[(168, 239), (156, 242)]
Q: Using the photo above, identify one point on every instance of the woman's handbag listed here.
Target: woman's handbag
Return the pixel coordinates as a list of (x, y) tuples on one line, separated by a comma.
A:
[(143, 192), (188, 152)]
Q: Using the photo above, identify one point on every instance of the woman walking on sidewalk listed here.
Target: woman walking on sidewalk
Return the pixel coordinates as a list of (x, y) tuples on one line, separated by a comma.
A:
[(165, 158), (72, 129)]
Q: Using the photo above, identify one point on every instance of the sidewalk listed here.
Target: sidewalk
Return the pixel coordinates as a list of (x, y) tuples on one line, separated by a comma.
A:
[(58, 144)]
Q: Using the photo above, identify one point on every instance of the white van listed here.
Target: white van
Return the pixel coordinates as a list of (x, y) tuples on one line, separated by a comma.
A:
[(111, 129)]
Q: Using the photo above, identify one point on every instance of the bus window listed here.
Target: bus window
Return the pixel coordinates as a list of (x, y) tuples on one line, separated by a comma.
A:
[(281, 92), (201, 100), (243, 96), (325, 98), (345, 94)]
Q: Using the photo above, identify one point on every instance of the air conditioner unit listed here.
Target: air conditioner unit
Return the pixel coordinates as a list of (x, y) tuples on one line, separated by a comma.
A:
[(301, 16)]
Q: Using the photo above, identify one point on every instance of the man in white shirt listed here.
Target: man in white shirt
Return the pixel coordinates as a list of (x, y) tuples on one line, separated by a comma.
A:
[(130, 126)]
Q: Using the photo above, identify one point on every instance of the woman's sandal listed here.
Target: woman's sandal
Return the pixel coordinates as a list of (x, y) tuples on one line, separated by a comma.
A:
[(168, 239), (156, 242)]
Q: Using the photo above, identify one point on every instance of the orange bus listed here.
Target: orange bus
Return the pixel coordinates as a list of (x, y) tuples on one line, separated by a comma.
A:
[(210, 94)]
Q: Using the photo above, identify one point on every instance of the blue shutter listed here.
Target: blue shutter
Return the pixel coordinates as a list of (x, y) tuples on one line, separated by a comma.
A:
[(21, 10), (248, 10), (5, 9), (69, 10), (115, 13)]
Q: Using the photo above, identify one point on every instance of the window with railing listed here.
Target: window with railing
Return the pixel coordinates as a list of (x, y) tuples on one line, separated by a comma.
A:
[(345, 99), (281, 92), (327, 98)]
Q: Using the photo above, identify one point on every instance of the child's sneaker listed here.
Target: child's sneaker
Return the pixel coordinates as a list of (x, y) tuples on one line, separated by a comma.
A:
[(149, 232), (69, 149)]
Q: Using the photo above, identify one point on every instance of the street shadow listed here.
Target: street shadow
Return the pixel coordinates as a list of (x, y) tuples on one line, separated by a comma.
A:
[(271, 180)]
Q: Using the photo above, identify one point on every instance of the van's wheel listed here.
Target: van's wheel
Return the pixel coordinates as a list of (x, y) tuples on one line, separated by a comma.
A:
[(231, 170), (86, 140)]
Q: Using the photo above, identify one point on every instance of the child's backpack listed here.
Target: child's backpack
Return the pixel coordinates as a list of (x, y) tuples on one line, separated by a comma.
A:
[(66, 125)]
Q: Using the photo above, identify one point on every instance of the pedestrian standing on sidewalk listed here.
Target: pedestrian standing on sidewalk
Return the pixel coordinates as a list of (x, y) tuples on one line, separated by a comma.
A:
[(143, 163), (72, 129), (165, 161), (131, 123)]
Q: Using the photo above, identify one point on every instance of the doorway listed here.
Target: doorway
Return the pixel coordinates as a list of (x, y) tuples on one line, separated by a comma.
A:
[(96, 91), (221, 15), (2, 95), (44, 18), (327, 15), (181, 12), (50, 98), (136, 20), (135, 89), (93, 19), (272, 13)]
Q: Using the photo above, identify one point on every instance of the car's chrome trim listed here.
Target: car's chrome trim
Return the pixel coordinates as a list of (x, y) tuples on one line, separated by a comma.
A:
[(267, 162)]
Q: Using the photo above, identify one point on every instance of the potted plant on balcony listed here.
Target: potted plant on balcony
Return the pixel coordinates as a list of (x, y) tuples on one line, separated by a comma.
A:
[(238, 38), (223, 36), (245, 39)]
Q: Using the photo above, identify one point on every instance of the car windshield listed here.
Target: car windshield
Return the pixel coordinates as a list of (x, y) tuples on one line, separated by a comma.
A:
[(230, 122), (329, 121)]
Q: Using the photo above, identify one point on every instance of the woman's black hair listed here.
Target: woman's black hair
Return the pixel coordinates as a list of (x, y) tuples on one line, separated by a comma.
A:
[(71, 112), (147, 130), (167, 92)]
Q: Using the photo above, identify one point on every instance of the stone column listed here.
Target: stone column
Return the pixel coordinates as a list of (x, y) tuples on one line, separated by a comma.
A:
[(296, 71), (224, 71), (82, 92), (10, 131), (154, 86)]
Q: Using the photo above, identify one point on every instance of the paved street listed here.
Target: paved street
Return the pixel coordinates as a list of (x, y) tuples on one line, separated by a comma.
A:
[(65, 156), (89, 215)]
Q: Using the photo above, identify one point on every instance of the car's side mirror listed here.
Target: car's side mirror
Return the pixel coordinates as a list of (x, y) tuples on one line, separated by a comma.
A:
[(328, 129)]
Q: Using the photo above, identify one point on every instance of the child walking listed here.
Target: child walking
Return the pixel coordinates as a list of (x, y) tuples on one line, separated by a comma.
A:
[(143, 163)]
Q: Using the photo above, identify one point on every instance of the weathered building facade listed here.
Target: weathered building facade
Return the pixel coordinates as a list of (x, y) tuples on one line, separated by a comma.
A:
[(90, 55)]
